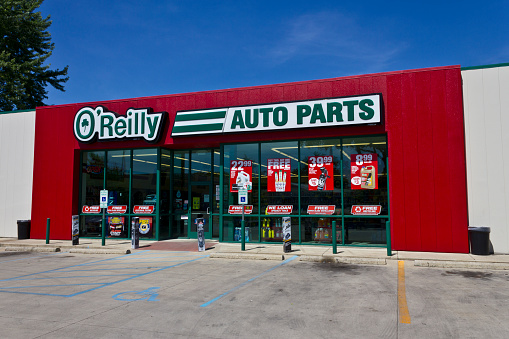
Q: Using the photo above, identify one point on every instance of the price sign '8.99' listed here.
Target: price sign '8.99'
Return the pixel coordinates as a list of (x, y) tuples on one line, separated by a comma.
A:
[(321, 176), (364, 171)]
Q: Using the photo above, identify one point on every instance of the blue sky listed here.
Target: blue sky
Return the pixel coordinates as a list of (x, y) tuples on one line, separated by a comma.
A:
[(126, 49)]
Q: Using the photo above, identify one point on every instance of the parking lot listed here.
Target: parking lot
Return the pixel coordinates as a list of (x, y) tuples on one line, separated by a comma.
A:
[(161, 294)]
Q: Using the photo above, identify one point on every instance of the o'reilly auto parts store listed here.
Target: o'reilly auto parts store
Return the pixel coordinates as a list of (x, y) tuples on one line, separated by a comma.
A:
[(361, 151)]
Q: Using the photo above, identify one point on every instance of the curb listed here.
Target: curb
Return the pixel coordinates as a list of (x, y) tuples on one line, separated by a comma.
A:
[(41, 249), (343, 260), (307, 258), (461, 264), (96, 251), (31, 249), (247, 256)]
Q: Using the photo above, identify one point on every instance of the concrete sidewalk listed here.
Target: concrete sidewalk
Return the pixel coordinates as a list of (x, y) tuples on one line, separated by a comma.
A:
[(267, 251)]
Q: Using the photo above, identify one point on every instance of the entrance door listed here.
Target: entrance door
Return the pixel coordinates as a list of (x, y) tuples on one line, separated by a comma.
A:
[(200, 205)]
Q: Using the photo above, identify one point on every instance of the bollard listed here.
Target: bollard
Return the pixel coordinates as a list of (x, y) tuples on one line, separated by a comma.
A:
[(388, 237), (47, 230), (103, 226), (334, 240), (243, 233)]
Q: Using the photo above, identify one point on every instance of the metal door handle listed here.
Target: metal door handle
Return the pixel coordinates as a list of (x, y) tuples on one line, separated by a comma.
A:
[(208, 212)]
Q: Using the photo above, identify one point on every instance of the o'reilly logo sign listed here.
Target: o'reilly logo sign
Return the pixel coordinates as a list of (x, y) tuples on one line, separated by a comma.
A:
[(304, 114), (92, 124)]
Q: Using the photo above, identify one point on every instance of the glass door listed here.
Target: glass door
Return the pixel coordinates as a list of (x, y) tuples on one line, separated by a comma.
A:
[(200, 205)]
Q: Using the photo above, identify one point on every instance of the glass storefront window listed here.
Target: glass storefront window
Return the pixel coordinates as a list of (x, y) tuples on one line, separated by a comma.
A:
[(117, 177), (318, 229), (90, 226), (240, 157), (92, 179), (376, 194), (365, 231), (144, 179), (272, 229), (314, 181), (320, 174), (279, 175), (201, 167), (164, 190), (216, 157), (232, 228), (180, 193)]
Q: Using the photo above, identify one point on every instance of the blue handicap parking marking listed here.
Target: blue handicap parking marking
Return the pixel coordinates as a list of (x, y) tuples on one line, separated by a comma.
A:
[(91, 276), (149, 295)]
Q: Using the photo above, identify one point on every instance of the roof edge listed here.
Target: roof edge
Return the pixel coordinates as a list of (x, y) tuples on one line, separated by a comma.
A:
[(485, 66), (103, 102), (18, 111)]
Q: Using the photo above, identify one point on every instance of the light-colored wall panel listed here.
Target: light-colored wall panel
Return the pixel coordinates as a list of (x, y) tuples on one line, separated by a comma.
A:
[(487, 147), (17, 132)]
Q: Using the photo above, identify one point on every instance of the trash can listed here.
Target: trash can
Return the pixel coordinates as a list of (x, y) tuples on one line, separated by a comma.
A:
[(479, 240), (23, 229)]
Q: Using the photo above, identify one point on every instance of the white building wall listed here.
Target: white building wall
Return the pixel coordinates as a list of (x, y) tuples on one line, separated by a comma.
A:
[(486, 106), (17, 131)]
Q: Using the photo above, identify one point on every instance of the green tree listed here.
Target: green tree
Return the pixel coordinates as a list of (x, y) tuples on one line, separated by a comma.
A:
[(25, 46)]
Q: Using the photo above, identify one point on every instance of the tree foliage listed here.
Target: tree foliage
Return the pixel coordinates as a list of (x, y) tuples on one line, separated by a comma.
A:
[(25, 46)]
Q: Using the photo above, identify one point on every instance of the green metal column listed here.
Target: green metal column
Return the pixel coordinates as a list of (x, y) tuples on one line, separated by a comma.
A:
[(299, 202), (334, 240), (342, 198), (388, 223), (221, 193), (47, 230)]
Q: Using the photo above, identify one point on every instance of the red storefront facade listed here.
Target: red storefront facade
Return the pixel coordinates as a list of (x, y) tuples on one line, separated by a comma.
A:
[(421, 119)]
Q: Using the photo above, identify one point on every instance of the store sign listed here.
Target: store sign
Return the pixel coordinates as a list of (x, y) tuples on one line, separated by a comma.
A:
[(121, 209), (91, 124), (366, 209), (237, 209), (91, 209), (321, 209), (143, 209), (304, 114), (279, 209), (320, 171), (364, 171), (279, 175)]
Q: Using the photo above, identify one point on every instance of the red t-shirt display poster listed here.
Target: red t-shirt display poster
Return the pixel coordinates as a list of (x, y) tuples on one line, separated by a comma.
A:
[(320, 171), (241, 173), (279, 175), (364, 170)]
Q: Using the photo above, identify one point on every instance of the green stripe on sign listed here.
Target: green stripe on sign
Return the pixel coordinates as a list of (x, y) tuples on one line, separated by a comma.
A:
[(197, 128), (200, 116)]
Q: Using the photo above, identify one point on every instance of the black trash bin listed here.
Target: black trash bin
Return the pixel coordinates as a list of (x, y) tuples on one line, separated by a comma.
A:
[(23, 229), (479, 240)]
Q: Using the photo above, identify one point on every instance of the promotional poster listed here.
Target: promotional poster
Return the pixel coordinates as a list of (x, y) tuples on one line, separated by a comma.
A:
[(145, 226), (287, 234), (135, 233), (116, 226), (200, 223), (241, 172), (320, 171), (75, 229), (364, 170), (279, 175)]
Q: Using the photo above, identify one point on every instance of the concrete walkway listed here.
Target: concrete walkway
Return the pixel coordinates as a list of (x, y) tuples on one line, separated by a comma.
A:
[(265, 251)]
